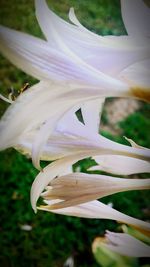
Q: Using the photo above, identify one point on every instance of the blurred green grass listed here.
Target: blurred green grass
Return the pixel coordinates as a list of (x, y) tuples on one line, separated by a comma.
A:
[(54, 237)]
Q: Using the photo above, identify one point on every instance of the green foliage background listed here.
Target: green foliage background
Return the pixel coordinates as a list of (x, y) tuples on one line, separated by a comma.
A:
[(54, 237)]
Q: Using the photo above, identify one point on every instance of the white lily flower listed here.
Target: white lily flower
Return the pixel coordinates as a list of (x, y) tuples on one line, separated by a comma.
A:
[(126, 245), (76, 70), (74, 66)]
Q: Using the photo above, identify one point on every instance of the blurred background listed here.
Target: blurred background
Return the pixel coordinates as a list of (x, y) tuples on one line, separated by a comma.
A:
[(45, 239)]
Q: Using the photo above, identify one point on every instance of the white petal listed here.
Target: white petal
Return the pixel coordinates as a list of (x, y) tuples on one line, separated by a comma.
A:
[(75, 21), (31, 54), (123, 150), (35, 57), (91, 112), (120, 165), (97, 210), (133, 144), (127, 245), (136, 17)]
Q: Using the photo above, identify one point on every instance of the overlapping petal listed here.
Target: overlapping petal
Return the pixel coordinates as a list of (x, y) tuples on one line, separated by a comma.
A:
[(77, 69), (38, 58), (84, 46), (22, 127)]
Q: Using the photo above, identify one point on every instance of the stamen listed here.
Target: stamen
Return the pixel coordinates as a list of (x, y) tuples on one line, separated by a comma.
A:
[(24, 88), (12, 94)]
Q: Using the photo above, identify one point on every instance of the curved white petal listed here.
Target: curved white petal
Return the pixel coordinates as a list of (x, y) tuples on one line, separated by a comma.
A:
[(126, 245), (133, 144), (75, 20), (97, 210), (120, 165), (136, 17)]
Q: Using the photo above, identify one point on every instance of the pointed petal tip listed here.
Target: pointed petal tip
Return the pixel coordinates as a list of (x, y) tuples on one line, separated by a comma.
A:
[(35, 210), (36, 164), (73, 17), (71, 12)]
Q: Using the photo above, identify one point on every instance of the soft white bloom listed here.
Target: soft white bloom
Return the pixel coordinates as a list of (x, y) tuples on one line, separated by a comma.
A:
[(126, 245), (74, 66), (77, 69)]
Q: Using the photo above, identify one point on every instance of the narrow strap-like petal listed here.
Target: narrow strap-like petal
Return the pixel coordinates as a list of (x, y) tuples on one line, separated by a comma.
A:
[(97, 210), (120, 165)]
